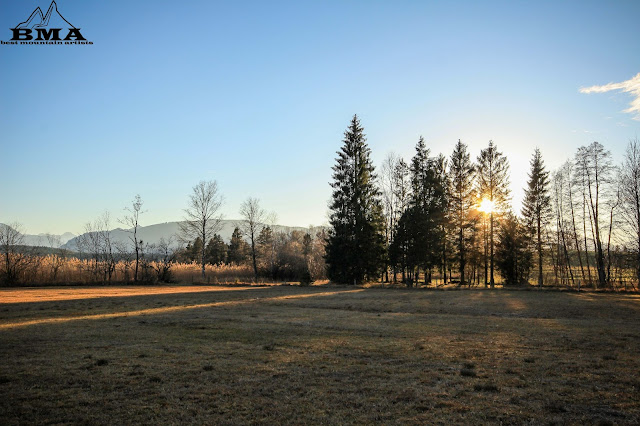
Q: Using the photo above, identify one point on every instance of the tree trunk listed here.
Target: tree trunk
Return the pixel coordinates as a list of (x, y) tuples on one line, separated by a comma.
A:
[(539, 253), (491, 220), (462, 257), (575, 234), (253, 257)]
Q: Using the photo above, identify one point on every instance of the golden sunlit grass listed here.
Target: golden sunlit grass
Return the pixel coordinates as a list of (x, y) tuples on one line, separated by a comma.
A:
[(192, 272), (158, 311), (320, 355), (15, 295), (54, 269)]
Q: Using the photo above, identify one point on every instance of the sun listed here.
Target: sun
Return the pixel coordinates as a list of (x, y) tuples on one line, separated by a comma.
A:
[(486, 206)]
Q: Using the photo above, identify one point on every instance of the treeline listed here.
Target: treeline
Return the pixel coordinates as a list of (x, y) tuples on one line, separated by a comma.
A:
[(432, 219), (280, 256), (451, 218), (255, 253)]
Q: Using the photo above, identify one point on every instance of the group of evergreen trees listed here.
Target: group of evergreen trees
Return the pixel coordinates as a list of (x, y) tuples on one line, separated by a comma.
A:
[(217, 252), (433, 214)]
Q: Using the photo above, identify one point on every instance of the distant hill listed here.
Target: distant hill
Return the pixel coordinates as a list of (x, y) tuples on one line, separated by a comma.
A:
[(47, 240), (153, 233)]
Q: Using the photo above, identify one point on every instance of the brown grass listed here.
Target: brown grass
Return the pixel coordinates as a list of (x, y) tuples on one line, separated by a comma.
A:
[(317, 355), (224, 274), (53, 269)]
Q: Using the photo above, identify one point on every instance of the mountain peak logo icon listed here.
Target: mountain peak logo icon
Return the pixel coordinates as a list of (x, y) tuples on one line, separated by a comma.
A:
[(52, 19), (46, 28)]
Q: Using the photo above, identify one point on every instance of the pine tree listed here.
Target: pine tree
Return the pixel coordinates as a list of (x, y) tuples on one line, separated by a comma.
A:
[(493, 186), (419, 222), (196, 250), (266, 248), (355, 245), (216, 251), (536, 206), (238, 248), (513, 257), (421, 232), (461, 173)]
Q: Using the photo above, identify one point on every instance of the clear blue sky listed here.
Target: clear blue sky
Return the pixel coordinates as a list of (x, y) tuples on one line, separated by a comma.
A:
[(258, 94)]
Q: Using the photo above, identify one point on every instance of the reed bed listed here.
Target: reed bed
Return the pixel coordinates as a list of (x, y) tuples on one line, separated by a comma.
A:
[(58, 270)]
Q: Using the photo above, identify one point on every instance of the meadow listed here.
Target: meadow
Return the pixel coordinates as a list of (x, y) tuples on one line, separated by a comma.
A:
[(319, 354)]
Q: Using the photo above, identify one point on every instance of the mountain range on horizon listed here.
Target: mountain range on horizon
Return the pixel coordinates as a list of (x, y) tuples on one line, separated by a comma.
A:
[(52, 19), (148, 234), (152, 234), (46, 239)]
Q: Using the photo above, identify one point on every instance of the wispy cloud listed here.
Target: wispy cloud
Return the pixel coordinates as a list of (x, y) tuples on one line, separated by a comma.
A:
[(630, 86)]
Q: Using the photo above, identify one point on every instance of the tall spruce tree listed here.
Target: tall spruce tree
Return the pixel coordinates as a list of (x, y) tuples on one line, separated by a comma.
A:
[(421, 230), (355, 245), (493, 185), (513, 254), (420, 225), (536, 207), (238, 248), (461, 173), (216, 250)]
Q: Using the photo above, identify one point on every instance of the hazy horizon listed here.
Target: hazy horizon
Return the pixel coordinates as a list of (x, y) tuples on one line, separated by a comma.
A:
[(257, 96)]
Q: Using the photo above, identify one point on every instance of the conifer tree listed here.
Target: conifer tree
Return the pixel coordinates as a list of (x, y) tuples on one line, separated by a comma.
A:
[(266, 245), (513, 257), (421, 228), (536, 206), (420, 225), (196, 249), (493, 186), (355, 245), (238, 248), (461, 173), (216, 251)]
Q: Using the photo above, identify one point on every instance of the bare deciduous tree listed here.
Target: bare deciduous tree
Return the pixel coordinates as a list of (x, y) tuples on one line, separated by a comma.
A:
[(593, 165), (106, 245), (389, 191), (630, 195), (202, 216), (132, 221), (253, 222), (58, 258), (97, 244), (165, 254), (11, 237)]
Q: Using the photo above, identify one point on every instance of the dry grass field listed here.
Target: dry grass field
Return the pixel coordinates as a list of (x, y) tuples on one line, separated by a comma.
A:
[(331, 355)]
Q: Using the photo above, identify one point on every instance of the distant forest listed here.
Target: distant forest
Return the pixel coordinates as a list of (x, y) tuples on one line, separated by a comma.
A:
[(432, 220)]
